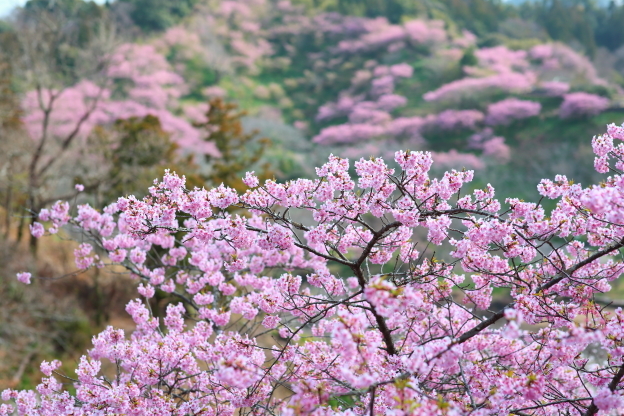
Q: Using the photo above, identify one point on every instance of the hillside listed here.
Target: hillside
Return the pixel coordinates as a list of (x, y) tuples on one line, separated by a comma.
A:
[(359, 86)]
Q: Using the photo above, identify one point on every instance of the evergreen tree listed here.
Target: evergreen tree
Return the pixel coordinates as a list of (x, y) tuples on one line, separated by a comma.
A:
[(610, 28), (158, 15), (240, 150)]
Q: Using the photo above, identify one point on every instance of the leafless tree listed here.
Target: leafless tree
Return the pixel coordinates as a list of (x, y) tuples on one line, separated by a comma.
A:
[(50, 50)]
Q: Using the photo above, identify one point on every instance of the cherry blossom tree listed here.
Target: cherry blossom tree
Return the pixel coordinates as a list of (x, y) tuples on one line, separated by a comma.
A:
[(510, 109), (51, 52), (69, 94), (327, 298), (582, 104)]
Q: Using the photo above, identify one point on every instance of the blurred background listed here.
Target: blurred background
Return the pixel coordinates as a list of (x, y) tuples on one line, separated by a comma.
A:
[(108, 94)]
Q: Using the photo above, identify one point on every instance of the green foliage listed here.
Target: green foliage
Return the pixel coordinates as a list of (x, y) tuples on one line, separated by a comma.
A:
[(9, 103), (65, 6), (469, 58), (85, 16), (479, 16), (143, 143), (11, 128), (240, 150), (518, 44), (73, 334), (199, 75), (158, 15), (66, 37), (394, 10), (138, 150), (5, 27), (601, 90), (343, 402), (610, 26), (566, 20), (490, 40), (581, 21)]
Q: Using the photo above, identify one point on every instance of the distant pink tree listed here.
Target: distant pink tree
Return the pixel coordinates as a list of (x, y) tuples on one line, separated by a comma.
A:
[(238, 25), (582, 104), (502, 60), (467, 39), (410, 127), (181, 42), (563, 62), (349, 133), (491, 145), (554, 88), (132, 81), (401, 70), (60, 98), (505, 111), (502, 69), (389, 102), (457, 119), (63, 117), (507, 82), (496, 148), (368, 119), (139, 82), (382, 86), (379, 34)]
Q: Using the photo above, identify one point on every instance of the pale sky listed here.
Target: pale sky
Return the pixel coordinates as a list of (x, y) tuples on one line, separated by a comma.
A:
[(7, 5)]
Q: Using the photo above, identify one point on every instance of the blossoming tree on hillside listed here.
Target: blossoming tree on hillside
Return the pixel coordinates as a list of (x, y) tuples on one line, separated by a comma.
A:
[(66, 100), (323, 301)]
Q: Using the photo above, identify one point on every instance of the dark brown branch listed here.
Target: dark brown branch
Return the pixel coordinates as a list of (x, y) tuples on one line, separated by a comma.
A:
[(571, 270), (593, 409), (500, 314), (381, 322), (372, 402), (376, 237), (73, 134)]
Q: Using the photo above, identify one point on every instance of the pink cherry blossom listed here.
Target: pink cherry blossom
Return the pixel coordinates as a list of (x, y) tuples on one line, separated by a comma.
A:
[(582, 104), (24, 278), (511, 82), (505, 111)]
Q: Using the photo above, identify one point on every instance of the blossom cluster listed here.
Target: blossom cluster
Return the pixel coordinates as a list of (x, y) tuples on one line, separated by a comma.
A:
[(582, 104), (379, 33), (565, 63), (138, 82), (267, 325), (508, 82), (506, 111)]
